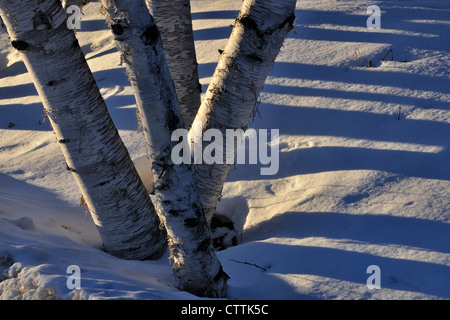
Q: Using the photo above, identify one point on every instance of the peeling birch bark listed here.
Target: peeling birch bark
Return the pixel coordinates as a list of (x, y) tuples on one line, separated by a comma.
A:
[(174, 21), (238, 80), (195, 264), (94, 152)]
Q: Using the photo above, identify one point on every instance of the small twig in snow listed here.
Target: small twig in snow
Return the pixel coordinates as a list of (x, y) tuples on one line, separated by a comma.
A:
[(250, 264), (392, 55)]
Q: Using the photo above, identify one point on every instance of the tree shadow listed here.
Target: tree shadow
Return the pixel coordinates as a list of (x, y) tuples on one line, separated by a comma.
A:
[(224, 14), (344, 264), (407, 163), (355, 125), (19, 199), (17, 91), (298, 120), (111, 78), (212, 33), (32, 116), (367, 229), (425, 103), (407, 17), (300, 261), (101, 53), (121, 107), (327, 159), (206, 70), (13, 190), (93, 25), (14, 69), (380, 229), (24, 117), (366, 76), (123, 117)]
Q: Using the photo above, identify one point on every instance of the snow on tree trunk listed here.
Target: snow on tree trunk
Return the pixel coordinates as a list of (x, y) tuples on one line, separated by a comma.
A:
[(195, 264), (94, 152), (174, 21), (79, 3), (244, 65)]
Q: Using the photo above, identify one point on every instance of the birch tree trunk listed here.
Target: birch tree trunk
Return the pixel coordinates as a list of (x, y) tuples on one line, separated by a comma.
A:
[(231, 98), (195, 264), (79, 3), (174, 21), (94, 153)]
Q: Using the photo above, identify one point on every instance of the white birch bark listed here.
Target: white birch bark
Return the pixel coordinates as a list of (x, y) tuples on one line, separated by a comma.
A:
[(79, 3), (231, 98), (195, 264), (174, 21), (94, 153)]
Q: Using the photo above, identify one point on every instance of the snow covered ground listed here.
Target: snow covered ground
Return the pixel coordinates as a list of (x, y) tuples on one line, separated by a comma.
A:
[(364, 165)]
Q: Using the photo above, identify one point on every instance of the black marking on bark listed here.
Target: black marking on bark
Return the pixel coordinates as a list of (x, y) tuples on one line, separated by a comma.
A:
[(289, 20), (254, 57), (221, 275), (151, 35), (198, 211), (203, 246), (117, 29), (165, 167), (69, 168), (163, 187), (162, 159), (104, 128), (131, 240), (75, 43), (191, 222), (20, 45), (122, 193), (248, 23), (173, 212), (172, 120), (53, 83), (41, 19), (220, 221), (101, 184)]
